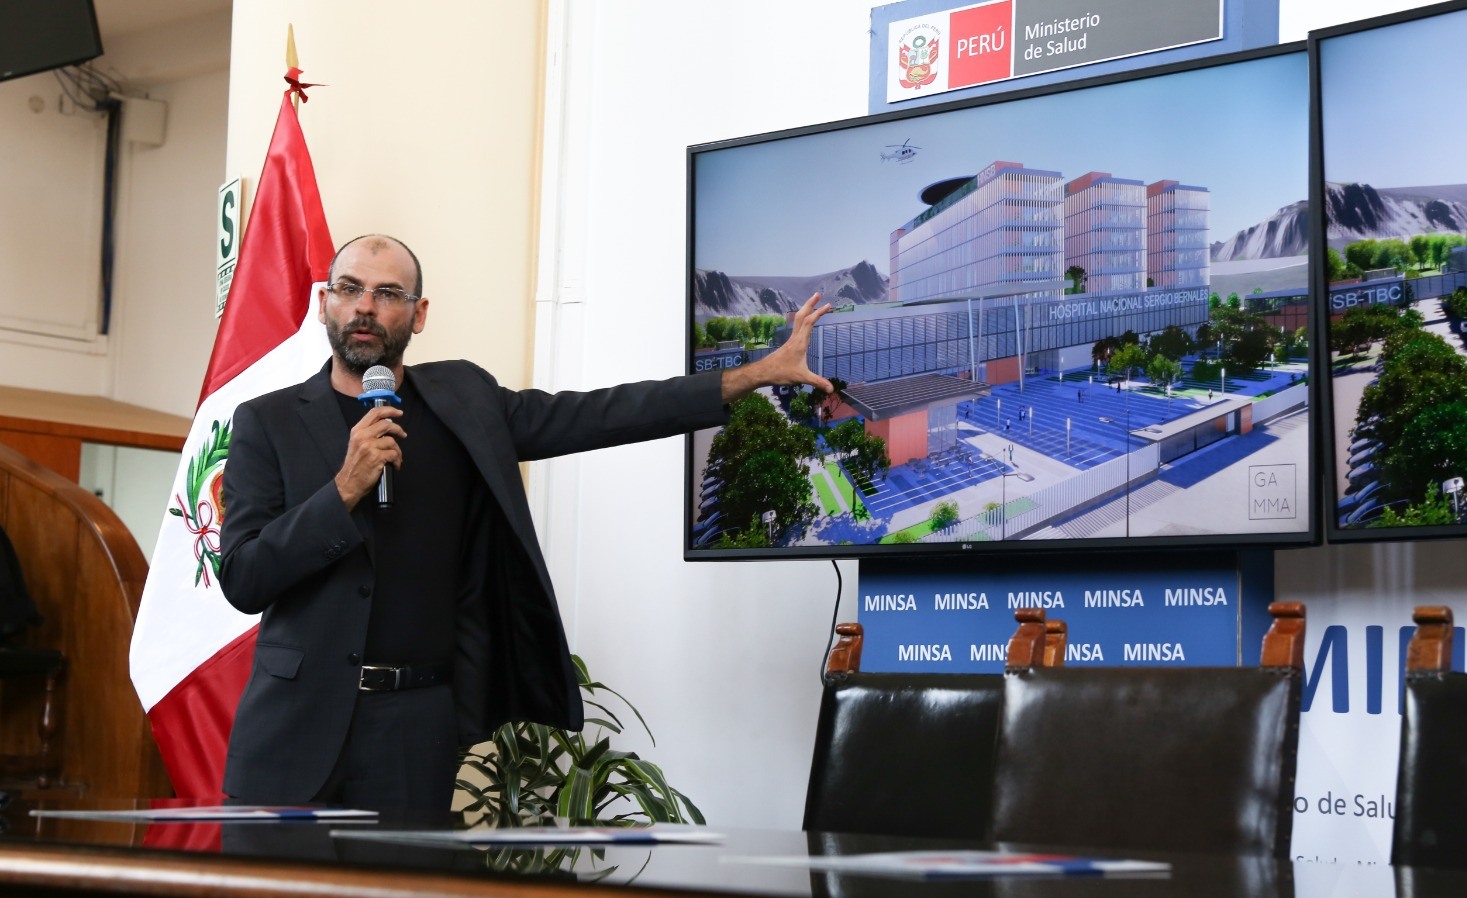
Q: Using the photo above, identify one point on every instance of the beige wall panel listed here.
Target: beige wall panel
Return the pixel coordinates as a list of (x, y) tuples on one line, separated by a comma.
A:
[(428, 131)]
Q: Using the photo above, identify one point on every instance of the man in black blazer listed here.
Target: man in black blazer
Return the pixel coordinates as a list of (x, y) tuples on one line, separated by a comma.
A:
[(391, 636)]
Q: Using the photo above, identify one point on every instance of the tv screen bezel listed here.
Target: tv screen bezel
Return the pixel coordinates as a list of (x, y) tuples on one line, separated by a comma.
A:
[(64, 60), (1309, 535), (1326, 439)]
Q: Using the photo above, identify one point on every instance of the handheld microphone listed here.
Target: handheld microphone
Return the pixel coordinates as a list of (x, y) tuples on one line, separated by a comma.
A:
[(380, 385)]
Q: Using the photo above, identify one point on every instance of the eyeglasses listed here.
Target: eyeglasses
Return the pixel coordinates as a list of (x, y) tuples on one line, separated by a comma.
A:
[(381, 296)]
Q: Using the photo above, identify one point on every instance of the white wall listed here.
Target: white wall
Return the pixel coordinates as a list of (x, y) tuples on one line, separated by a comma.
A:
[(723, 658), (50, 238), (1298, 17), (162, 322), (51, 219), (134, 483)]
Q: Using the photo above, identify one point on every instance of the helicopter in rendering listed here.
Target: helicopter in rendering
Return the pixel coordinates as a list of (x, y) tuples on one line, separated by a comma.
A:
[(902, 152)]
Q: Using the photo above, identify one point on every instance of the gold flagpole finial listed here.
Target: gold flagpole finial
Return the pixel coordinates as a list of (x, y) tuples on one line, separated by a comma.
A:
[(291, 60)]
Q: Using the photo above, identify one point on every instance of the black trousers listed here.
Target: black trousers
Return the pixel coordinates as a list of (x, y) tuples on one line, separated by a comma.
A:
[(401, 753)]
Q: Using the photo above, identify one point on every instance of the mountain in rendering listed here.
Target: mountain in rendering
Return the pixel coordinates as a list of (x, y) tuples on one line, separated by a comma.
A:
[(1356, 211), (1284, 233), (716, 294)]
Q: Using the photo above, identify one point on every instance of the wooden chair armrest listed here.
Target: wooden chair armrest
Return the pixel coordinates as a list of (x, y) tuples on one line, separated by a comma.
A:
[(1283, 644), (1056, 640), (845, 657), (1431, 646), (1026, 648)]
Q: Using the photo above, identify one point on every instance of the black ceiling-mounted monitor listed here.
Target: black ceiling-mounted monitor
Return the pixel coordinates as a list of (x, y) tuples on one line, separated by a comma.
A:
[(38, 35), (1391, 199), (1066, 317)]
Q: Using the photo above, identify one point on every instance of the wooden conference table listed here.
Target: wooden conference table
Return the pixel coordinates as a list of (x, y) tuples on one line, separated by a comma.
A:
[(86, 857)]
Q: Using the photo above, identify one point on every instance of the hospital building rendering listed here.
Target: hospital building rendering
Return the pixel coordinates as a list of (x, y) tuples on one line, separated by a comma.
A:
[(978, 291)]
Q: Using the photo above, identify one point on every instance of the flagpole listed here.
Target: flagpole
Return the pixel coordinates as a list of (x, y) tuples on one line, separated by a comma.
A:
[(292, 62)]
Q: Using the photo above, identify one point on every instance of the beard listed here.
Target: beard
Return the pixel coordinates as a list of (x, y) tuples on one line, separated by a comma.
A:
[(357, 356)]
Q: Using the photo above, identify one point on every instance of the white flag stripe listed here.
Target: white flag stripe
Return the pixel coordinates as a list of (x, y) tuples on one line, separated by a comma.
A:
[(180, 625)]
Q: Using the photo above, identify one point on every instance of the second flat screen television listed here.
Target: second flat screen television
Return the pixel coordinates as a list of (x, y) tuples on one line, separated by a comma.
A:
[(1395, 277), (1063, 318)]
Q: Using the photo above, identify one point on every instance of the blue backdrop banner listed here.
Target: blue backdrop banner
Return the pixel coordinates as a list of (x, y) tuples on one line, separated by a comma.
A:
[(1164, 609)]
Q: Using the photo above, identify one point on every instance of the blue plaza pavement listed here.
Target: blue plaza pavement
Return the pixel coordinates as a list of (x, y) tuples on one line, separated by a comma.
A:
[(1067, 418)]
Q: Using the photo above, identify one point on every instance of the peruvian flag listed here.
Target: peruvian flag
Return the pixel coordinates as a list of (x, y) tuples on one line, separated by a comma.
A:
[(191, 651)]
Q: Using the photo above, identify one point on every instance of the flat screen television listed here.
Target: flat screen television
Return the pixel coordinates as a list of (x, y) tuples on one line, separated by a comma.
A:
[(1391, 199), (1065, 317), (37, 35)]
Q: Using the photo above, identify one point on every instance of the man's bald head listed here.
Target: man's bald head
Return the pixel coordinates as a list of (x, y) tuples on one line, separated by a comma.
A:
[(376, 243)]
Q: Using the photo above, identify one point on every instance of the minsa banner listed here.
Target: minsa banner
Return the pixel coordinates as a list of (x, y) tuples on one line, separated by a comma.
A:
[(957, 618)]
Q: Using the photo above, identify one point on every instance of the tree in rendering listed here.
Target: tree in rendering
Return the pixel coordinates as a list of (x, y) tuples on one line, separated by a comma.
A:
[(1172, 342), (1162, 371), (863, 454), (1374, 323), (719, 329), (762, 327), (1434, 509), (1456, 304), (830, 402), (944, 514), (1254, 347), (1077, 276), (1337, 267), (1431, 449), (1100, 353), (1419, 371), (1130, 357), (804, 408), (760, 456), (1420, 245)]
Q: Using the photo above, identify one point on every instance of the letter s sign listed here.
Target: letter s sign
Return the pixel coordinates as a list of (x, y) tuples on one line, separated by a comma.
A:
[(227, 233)]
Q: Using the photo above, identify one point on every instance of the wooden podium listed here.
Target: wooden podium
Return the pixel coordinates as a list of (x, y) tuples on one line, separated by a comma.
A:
[(85, 573), (51, 427)]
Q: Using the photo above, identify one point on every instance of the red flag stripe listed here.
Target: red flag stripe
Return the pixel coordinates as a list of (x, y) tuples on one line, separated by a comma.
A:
[(286, 248), (191, 723)]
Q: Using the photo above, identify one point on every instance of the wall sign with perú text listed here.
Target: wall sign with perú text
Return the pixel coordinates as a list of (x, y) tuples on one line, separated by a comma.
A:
[(1001, 39)]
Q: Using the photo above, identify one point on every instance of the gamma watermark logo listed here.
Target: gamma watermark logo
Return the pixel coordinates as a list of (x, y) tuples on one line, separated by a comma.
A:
[(917, 56), (1272, 492)]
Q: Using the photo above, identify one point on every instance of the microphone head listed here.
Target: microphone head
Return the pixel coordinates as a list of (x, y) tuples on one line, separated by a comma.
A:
[(379, 377)]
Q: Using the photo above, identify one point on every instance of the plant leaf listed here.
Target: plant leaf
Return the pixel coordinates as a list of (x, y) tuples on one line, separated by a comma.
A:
[(695, 815), (575, 798)]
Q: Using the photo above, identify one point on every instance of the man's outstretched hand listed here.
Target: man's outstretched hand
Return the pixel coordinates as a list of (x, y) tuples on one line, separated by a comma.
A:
[(784, 366)]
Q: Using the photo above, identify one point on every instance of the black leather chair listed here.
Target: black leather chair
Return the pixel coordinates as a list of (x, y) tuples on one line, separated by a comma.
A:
[(910, 754), (1431, 780), (1179, 759)]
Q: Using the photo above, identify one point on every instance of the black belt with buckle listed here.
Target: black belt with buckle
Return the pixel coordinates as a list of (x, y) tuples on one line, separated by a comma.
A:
[(386, 678)]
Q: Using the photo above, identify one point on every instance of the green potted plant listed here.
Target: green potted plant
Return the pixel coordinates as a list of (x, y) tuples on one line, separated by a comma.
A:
[(529, 773)]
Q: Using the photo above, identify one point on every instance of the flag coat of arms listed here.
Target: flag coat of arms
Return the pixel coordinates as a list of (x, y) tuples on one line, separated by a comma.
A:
[(191, 651)]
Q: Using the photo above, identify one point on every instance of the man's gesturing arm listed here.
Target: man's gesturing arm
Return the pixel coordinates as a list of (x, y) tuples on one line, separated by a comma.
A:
[(785, 365)]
